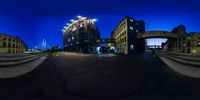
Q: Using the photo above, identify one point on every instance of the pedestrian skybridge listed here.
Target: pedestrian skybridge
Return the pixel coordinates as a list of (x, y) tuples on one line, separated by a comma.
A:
[(156, 34), (105, 40)]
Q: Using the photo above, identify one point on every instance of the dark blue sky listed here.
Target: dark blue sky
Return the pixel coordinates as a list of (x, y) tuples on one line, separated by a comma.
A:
[(34, 20)]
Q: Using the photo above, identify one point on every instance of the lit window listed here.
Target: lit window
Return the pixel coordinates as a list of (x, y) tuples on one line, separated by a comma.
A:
[(74, 29), (131, 47), (131, 27), (69, 39), (137, 31), (72, 37), (81, 25)]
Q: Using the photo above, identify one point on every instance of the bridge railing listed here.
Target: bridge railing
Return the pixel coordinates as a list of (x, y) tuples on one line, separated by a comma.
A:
[(187, 59), (105, 40), (14, 65), (156, 34), (16, 59)]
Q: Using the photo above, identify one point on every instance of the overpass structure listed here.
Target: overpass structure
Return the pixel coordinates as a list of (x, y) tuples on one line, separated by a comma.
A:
[(105, 40), (156, 34), (144, 35)]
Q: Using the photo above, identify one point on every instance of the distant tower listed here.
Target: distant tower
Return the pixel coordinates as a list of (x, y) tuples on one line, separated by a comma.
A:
[(44, 45)]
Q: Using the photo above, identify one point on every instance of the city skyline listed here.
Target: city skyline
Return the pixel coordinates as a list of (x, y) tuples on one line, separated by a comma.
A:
[(33, 24), (100, 49)]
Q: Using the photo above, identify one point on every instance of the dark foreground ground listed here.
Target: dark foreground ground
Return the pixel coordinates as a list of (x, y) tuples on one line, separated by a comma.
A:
[(77, 76)]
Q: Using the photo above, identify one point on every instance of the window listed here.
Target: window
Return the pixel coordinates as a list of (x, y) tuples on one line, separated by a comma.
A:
[(131, 27), (69, 39), (4, 38), (72, 37), (74, 29), (131, 20), (137, 31), (132, 47), (9, 45), (81, 25)]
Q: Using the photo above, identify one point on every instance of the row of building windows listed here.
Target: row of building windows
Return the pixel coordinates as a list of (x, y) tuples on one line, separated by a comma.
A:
[(78, 24), (118, 31), (122, 40), (120, 27), (15, 51), (121, 35), (10, 45)]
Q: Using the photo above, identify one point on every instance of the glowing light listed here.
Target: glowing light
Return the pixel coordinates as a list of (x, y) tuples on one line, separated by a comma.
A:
[(98, 49), (79, 16), (71, 20), (94, 20), (81, 25), (194, 51), (67, 23), (74, 29), (83, 18), (75, 21), (112, 48)]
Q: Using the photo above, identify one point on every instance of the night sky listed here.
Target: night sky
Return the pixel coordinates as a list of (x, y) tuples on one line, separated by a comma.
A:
[(38, 19)]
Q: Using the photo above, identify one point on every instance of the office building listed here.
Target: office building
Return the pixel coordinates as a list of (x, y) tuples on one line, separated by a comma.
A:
[(125, 36), (80, 35), (188, 43), (185, 42), (10, 44)]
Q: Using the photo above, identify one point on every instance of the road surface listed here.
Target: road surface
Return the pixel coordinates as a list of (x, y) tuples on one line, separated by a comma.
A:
[(72, 75)]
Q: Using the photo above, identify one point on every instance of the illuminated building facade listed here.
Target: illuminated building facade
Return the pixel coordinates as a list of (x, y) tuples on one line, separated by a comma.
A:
[(188, 43), (10, 44), (185, 42), (125, 36), (80, 35)]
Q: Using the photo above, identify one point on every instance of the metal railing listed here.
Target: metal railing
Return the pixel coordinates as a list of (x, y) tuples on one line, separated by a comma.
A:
[(16, 59), (187, 59), (156, 34)]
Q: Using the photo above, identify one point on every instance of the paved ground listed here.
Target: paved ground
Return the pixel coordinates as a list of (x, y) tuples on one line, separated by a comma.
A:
[(75, 76)]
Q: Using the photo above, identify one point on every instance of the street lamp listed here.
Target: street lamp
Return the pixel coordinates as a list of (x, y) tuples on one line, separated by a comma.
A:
[(79, 16), (72, 20), (94, 20)]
